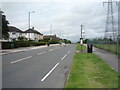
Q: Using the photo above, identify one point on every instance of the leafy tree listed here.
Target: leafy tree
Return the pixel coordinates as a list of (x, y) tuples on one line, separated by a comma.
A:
[(5, 28), (21, 38), (66, 41)]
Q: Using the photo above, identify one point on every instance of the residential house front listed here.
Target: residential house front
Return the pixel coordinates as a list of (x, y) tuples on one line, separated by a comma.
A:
[(15, 33), (32, 34)]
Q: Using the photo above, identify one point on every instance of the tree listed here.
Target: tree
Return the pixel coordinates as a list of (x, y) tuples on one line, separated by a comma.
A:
[(21, 38), (5, 28)]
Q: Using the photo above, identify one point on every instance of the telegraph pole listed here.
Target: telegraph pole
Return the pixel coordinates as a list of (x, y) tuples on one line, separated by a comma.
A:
[(29, 22), (51, 29), (81, 39), (110, 24)]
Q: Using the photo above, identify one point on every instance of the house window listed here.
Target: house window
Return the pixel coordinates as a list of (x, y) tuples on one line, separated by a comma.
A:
[(13, 33), (20, 33)]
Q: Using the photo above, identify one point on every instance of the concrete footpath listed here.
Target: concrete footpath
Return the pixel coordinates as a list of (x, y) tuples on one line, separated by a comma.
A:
[(111, 59), (22, 49)]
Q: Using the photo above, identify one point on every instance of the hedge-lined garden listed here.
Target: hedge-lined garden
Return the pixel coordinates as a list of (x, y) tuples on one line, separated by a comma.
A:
[(17, 44), (22, 43)]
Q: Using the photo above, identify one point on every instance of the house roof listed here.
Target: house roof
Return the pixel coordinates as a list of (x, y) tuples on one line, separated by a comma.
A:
[(32, 31), (51, 36), (14, 29)]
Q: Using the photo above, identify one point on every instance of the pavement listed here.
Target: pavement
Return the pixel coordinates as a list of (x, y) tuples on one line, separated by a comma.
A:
[(110, 58), (46, 67), (22, 49)]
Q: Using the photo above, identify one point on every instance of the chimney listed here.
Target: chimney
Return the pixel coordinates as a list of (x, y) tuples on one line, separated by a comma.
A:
[(32, 28)]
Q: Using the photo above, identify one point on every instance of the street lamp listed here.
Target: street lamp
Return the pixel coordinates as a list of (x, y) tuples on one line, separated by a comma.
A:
[(29, 21), (29, 18)]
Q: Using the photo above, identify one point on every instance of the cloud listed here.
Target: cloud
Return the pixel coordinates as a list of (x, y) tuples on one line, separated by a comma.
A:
[(65, 16)]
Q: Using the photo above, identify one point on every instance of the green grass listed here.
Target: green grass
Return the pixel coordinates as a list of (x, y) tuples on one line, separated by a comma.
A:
[(79, 47), (108, 47), (89, 71)]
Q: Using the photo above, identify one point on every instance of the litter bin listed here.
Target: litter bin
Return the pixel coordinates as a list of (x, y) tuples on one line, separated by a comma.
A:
[(89, 48), (12, 45)]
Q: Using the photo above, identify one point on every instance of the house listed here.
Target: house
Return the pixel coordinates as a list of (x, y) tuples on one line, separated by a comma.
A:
[(15, 33), (52, 37), (32, 34)]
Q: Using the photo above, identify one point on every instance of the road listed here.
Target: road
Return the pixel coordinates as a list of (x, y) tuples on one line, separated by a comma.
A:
[(38, 68)]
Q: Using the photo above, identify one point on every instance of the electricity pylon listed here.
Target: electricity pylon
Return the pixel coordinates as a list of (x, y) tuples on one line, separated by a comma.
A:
[(110, 29)]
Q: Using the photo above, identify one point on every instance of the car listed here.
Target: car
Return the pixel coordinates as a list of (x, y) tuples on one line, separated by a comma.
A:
[(63, 44)]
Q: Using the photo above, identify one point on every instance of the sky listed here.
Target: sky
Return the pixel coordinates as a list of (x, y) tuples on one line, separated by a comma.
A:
[(65, 16)]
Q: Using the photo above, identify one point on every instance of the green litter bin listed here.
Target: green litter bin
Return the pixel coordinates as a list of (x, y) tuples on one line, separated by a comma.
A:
[(12, 45)]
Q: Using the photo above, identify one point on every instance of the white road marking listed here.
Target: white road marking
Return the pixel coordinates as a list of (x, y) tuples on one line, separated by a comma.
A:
[(42, 53), (20, 60), (49, 72), (68, 51), (64, 56), (51, 49)]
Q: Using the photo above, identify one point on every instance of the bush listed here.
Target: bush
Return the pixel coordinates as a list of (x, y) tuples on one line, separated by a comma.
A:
[(53, 41), (22, 44), (38, 43), (7, 45), (16, 44)]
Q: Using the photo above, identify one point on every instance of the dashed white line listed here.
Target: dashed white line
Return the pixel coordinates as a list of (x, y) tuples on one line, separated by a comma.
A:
[(20, 60), (49, 72), (68, 51), (42, 53), (64, 56), (51, 49)]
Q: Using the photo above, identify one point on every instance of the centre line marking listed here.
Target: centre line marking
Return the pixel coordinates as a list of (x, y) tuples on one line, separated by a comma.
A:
[(49, 72), (64, 56), (51, 49), (68, 51), (41, 53), (20, 60)]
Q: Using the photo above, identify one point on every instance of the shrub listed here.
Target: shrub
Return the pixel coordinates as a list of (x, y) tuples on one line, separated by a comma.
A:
[(38, 43), (53, 41), (22, 44), (7, 45)]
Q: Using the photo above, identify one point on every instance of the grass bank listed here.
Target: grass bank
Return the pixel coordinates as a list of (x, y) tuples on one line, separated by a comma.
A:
[(89, 71), (108, 47)]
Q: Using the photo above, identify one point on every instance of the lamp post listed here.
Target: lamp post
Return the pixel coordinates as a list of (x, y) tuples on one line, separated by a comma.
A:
[(81, 39), (29, 21)]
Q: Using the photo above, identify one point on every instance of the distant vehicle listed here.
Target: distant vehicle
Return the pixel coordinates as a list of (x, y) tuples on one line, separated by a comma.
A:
[(63, 44)]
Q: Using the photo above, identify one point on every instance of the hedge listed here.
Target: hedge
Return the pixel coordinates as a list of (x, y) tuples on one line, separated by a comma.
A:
[(38, 43), (22, 44), (7, 45)]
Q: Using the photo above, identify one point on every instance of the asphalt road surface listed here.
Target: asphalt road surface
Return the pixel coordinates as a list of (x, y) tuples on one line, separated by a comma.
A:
[(39, 68)]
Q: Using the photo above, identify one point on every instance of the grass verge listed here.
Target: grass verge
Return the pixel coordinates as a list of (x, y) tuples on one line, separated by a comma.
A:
[(79, 47), (89, 71), (108, 47)]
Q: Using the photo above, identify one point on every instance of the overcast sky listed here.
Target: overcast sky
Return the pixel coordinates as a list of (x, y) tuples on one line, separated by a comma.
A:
[(66, 16)]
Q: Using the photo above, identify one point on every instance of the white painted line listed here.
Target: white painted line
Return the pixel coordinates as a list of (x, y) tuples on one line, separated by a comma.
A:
[(51, 49), (41, 53), (49, 72), (64, 56), (20, 60), (2, 53), (68, 51), (58, 48)]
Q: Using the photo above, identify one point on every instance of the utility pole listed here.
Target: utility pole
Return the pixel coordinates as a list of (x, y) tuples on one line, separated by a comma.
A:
[(51, 29), (29, 21), (81, 39), (81, 30), (110, 24)]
